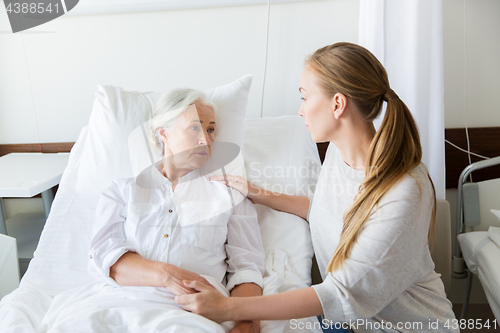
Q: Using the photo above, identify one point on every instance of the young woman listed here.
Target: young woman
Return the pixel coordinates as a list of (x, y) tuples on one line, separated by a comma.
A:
[(371, 217)]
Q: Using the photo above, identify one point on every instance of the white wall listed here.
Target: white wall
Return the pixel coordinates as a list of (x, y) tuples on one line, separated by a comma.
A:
[(482, 50), (199, 48), (69, 56)]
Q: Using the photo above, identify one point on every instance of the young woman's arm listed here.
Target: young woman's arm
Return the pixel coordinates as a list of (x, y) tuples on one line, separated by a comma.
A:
[(292, 204), (299, 303)]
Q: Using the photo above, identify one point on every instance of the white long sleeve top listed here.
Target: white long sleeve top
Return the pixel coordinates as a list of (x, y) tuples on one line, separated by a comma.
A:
[(197, 229), (388, 282)]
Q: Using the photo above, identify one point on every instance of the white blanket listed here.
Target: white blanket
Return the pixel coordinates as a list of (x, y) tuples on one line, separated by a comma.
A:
[(99, 307)]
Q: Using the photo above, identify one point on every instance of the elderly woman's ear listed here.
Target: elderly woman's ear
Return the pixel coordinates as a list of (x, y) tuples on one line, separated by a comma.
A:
[(163, 134)]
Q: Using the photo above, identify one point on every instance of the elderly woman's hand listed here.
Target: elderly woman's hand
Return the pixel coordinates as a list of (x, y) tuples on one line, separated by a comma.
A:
[(244, 186), (173, 277), (246, 326)]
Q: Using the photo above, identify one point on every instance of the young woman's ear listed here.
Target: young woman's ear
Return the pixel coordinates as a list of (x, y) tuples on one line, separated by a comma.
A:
[(339, 103)]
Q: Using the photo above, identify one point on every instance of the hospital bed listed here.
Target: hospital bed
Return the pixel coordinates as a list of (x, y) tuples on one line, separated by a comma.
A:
[(274, 150), (271, 146), (479, 249)]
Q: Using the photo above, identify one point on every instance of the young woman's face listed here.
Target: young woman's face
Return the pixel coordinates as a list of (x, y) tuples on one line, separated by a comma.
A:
[(316, 108), (187, 143)]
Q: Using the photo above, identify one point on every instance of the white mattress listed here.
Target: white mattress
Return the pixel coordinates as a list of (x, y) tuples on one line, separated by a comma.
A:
[(482, 257)]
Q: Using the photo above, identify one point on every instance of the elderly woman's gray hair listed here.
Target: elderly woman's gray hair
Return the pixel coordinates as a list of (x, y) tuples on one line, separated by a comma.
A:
[(169, 107)]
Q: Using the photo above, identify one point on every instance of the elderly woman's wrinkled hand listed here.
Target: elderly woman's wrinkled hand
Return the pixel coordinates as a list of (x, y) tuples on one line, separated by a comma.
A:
[(246, 326), (174, 277), (207, 302)]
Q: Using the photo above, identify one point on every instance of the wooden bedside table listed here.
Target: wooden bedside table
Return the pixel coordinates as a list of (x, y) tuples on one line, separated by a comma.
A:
[(24, 175)]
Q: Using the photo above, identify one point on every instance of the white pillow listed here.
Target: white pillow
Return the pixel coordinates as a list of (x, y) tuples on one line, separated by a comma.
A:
[(117, 113), (281, 156), (273, 146)]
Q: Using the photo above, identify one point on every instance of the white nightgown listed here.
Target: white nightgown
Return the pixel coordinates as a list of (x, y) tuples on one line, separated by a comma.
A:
[(196, 227)]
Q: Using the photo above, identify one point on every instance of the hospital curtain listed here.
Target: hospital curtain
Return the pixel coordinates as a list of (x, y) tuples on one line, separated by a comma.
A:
[(407, 37)]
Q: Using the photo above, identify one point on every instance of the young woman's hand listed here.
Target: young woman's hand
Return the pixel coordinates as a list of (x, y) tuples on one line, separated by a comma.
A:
[(208, 302), (293, 204), (245, 187), (173, 277)]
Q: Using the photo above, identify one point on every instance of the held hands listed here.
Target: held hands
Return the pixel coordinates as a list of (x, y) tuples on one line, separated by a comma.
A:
[(213, 305), (174, 277), (207, 301)]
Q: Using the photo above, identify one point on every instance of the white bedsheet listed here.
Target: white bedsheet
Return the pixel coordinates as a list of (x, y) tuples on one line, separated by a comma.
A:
[(60, 265), (100, 307), (482, 257)]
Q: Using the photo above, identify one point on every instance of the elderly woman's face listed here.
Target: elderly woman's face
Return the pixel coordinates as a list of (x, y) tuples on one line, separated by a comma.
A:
[(187, 143)]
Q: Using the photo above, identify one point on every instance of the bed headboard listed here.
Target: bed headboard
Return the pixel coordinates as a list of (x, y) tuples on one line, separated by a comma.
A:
[(56, 147)]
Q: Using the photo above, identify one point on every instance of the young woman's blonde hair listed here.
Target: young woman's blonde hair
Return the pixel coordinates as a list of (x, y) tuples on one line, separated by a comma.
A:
[(169, 107), (395, 150)]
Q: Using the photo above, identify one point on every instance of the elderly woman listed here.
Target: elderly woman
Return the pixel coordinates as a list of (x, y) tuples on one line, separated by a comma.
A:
[(172, 224)]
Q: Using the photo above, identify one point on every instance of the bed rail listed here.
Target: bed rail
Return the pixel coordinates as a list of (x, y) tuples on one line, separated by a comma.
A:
[(458, 263)]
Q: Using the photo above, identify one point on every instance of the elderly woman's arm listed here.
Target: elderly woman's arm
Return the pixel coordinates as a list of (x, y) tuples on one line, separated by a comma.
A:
[(247, 290), (245, 255), (113, 258), (133, 270)]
